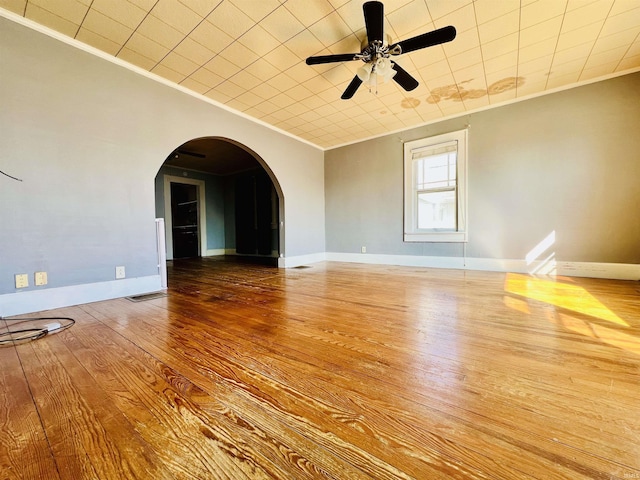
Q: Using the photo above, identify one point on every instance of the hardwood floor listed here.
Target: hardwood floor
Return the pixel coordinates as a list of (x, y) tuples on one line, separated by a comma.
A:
[(333, 371)]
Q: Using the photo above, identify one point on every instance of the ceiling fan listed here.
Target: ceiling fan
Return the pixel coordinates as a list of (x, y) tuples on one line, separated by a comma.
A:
[(375, 52)]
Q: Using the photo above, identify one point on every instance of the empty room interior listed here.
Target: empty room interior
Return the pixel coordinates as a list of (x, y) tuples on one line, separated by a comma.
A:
[(296, 239)]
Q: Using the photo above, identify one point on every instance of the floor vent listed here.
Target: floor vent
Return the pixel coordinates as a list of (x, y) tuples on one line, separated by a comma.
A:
[(303, 266), (146, 296)]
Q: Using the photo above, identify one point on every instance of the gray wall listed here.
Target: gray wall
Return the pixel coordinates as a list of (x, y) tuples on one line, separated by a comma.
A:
[(88, 137), (567, 162)]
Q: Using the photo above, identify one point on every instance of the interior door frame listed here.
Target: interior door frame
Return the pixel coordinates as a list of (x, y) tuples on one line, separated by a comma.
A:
[(202, 217)]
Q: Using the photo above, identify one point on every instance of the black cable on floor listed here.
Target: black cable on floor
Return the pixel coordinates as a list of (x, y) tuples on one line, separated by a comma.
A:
[(32, 328)]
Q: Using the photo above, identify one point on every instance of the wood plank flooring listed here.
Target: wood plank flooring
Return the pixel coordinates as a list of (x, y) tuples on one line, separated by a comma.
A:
[(339, 371)]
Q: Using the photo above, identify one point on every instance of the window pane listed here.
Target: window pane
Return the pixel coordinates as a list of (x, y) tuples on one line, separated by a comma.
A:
[(437, 210), (436, 171)]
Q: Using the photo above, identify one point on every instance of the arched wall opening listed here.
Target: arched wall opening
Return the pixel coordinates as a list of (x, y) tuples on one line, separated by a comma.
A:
[(219, 197)]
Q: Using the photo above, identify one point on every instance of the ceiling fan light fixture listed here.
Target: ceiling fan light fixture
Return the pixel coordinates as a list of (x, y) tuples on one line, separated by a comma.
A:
[(364, 72)]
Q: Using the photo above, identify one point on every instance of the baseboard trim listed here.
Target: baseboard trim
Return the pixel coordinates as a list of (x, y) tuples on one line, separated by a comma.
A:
[(214, 252), (299, 260), (39, 300), (617, 271)]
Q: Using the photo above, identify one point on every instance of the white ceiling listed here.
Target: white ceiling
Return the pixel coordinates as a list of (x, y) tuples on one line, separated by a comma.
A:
[(249, 54)]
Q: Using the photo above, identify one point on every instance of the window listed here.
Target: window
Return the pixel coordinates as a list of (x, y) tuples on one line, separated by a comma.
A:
[(435, 200)]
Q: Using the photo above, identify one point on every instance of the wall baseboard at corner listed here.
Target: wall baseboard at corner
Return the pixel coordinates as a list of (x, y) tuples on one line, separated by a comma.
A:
[(298, 260), (214, 252), (617, 271), (49, 298)]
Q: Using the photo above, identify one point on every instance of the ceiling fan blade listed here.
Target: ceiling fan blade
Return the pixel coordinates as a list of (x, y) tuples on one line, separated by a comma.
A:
[(344, 57), (442, 35), (351, 89), (374, 20), (403, 79)]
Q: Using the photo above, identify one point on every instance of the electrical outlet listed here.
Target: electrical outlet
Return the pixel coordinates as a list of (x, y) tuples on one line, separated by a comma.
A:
[(22, 280), (363, 249), (120, 272), (40, 278)]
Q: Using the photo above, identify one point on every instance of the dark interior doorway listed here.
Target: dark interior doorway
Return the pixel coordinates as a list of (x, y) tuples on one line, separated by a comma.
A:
[(184, 215), (256, 218)]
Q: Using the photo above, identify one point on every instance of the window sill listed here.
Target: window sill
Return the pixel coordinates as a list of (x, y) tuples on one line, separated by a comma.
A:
[(445, 237)]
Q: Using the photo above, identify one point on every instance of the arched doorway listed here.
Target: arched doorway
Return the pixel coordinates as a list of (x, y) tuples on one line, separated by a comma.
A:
[(218, 197)]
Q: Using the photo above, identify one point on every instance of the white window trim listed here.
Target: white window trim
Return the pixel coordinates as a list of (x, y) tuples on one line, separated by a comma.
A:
[(411, 232)]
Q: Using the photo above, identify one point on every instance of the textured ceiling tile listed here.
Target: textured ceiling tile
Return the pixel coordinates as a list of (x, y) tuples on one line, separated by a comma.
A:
[(259, 40), (465, 41), (262, 69), (465, 59), (194, 51), (629, 19), (598, 71), (257, 9), (305, 44), (282, 82), (463, 19), (98, 41), (624, 38), (135, 58), (541, 31), (206, 77), (440, 8), (282, 24), (48, 19), (331, 29), (299, 93), (160, 32), (487, 10), (71, 10), (541, 11), (239, 55), (197, 87), (309, 12), (282, 58), (499, 27), (586, 14), (301, 72), (537, 50), (404, 19), (180, 64), (622, 6), (246, 80), (265, 91), (168, 73), (15, 6), (122, 12), (535, 66), (351, 14), (177, 15), (146, 47), (230, 89), (582, 35), (106, 27), (499, 47), (221, 66), (251, 98), (579, 52), (146, 5), (201, 7), (211, 37), (230, 19)]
